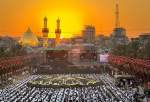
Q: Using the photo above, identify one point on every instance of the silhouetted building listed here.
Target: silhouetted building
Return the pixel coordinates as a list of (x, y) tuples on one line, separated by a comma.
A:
[(77, 40), (7, 42), (89, 34), (134, 39), (102, 41), (144, 38), (118, 37)]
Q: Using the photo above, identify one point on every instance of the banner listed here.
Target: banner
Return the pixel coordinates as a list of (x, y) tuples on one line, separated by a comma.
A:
[(103, 58)]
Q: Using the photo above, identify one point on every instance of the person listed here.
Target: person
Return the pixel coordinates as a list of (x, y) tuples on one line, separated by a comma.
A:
[(141, 94), (145, 99), (135, 96)]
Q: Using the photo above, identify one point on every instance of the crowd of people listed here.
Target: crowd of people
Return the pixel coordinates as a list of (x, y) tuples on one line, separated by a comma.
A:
[(107, 92)]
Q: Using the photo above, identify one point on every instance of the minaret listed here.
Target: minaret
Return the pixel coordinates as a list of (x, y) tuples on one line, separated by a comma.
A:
[(118, 36), (57, 32), (45, 32), (117, 14)]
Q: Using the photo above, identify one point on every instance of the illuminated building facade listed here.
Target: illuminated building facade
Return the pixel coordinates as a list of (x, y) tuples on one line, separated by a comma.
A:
[(29, 39), (58, 33), (45, 32)]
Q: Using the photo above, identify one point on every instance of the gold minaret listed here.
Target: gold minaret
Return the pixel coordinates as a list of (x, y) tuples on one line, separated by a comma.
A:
[(58, 33), (45, 32)]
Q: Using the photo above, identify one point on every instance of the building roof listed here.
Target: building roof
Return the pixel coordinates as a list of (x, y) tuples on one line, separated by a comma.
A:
[(29, 39)]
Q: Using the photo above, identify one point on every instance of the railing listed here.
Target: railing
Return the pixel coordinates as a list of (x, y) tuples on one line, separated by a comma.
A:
[(135, 64), (19, 60)]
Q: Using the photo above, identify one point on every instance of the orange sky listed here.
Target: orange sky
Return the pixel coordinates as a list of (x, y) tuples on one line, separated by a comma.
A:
[(17, 15)]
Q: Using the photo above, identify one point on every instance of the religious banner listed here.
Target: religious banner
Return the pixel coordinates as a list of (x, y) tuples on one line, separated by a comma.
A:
[(103, 58)]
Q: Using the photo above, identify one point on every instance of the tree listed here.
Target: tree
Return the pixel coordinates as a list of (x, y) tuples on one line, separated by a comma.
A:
[(10, 47), (119, 50), (134, 49)]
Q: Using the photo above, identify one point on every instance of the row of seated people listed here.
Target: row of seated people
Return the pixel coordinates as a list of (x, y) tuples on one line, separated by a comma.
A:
[(107, 92)]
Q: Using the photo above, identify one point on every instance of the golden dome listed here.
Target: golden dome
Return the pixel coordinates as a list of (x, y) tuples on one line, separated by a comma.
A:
[(29, 39)]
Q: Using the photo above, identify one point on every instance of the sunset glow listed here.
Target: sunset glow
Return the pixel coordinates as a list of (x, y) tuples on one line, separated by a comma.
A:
[(17, 15), (71, 23)]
